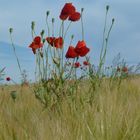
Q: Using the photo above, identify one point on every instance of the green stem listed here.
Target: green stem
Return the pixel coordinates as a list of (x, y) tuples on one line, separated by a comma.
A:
[(103, 59), (60, 28), (82, 25), (62, 55), (104, 31), (67, 30), (14, 49), (104, 35)]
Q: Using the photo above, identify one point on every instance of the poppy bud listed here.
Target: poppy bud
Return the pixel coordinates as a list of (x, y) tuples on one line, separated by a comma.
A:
[(72, 36), (82, 9), (11, 30), (13, 95), (53, 20), (42, 33), (32, 25), (107, 7), (113, 20), (44, 40), (41, 54), (47, 13)]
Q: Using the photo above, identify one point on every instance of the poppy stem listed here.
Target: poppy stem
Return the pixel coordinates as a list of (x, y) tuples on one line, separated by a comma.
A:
[(47, 24), (71, 40), (53, 27), (82, 9), (14, 49), (108, 34), (62, 56), (67, 30), (60, 30), (104, 31), (71, 69), (33, 28)]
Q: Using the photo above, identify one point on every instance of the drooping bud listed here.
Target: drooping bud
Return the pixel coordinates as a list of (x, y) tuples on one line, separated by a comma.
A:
[(42, 33)]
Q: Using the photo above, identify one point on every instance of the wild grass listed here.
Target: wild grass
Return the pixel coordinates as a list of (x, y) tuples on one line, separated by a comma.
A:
[(114, 114), (69, 100)]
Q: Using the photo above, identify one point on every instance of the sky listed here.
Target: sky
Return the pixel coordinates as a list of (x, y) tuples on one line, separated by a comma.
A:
[(125, 36)]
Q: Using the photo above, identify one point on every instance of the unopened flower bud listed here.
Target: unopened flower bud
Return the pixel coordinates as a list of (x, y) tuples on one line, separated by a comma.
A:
[(107, 7), (33, 25), (13, 95), (42, 33), (113, 20), (44, 40), (47, 13), (72, 36), (82, 9), (41, 54), (53, 20), (11, 30)]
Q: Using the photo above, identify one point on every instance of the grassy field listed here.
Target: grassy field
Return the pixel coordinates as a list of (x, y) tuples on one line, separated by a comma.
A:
[(113, 115)]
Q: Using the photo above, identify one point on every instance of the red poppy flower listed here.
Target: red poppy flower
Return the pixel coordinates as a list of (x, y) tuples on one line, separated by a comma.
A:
[(8, 78), (36, 44), (50, 40), (37, 40), (86, 63), (58, 42), (75, 16), (76, 65), (71, 52), (67, 10), (125, 69), (81, 48)]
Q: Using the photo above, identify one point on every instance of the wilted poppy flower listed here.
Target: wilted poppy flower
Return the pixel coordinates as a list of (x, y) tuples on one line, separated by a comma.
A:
[(67, 10), (125, 69), (76, 65), (36, 44), (8, 78), (50, 40), (58, 42), (81, 48), (71, 52), (75, 16), (86, 63)]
